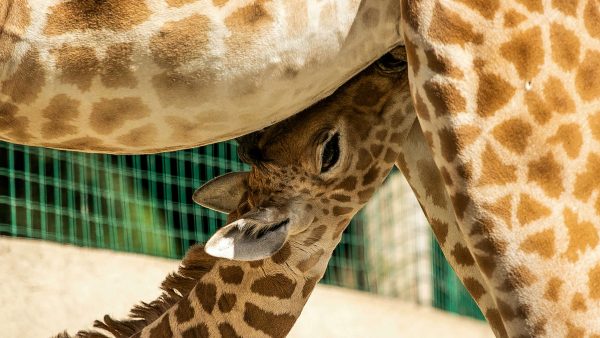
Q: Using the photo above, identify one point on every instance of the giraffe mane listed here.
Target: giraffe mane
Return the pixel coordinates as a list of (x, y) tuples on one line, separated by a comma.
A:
[(175, 286)]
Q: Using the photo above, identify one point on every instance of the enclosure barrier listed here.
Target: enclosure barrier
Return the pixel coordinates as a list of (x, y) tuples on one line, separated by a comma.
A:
[(142, 204)]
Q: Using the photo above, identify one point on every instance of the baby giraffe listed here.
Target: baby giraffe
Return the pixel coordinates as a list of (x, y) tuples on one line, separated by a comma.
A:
[(310, 174)]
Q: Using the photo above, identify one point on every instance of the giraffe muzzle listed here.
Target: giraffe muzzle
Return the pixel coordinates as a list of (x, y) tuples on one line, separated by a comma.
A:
[(256, 235)]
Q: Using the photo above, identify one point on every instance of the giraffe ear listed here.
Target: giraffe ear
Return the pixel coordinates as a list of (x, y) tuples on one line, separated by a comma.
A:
[(222, 193), (248, 240)]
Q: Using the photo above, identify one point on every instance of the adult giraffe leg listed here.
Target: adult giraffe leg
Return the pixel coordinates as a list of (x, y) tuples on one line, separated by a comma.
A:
[(507, 95), (417, 164)]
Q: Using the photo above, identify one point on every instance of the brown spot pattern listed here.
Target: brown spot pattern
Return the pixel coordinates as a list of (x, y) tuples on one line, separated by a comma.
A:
[(594, 123), (348, 184), (338, 211), (487, 8), (365, 195), (184, 310), (449, 143), (13, 126), (421, 107), (462, 255), (502, 209), (449, 28), (547, 173), (27, 81), (587, 80), (139, 137), (117, 15), (179, 3), (309, 285), (163, 329), (434, 189), (272, 324), (341, 198), (277, 285), (493, 93), (445, 98), (207, 295), (245, 23), (591, 18), (116, 68), (570, 137), (494, 171), (513, 18), (231, 274), (474, 287), (60, 112), (198, 331), (460, 202), (513, 134), (227, 331), (78, 66), (537, 107), (311, 261), (283, 254), (376, 150), (495, 320), (565, 46), (594, 282), (369, 177), (526, 52), (541, 243), (588, 180), (179, 42), (557, 96), (578, 302), (315, 235), (440, 230), (581, 235), (364, 159), (16, 17), (552, 292), (226, 302), (568, 7), (181, 90), (518, 277), (110, 114), (533, 5), (439, 64), (530, 210), (506, 310)]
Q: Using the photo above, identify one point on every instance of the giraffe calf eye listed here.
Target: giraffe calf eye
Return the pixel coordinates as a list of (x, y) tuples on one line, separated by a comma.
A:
[(331, 153)]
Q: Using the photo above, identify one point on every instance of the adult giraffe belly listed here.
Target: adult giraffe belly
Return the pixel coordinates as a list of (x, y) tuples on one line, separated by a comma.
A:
[(130, 76)]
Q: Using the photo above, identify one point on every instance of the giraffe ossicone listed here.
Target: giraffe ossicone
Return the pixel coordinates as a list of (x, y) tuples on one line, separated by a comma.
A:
[(285, 216)]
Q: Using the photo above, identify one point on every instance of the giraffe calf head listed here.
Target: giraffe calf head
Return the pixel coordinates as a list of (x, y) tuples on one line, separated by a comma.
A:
[(312, 172)]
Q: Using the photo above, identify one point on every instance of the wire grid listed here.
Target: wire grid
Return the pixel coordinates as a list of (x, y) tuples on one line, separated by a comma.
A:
[(142, 204), (139, 203)]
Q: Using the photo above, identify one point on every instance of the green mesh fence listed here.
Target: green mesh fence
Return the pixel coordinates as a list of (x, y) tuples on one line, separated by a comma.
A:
[(142, 204)]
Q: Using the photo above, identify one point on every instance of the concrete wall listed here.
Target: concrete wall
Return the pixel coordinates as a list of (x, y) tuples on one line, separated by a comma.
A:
[(49, 287)]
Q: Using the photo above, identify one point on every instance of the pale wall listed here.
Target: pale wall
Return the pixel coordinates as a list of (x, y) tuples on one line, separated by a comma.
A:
[(48, 287)]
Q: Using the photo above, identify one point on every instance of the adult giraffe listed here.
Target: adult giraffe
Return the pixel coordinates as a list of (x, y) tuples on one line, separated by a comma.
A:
[(508, 98), (131, 76)]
